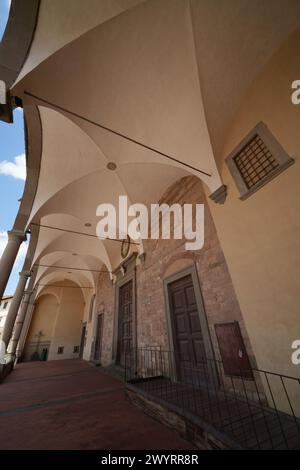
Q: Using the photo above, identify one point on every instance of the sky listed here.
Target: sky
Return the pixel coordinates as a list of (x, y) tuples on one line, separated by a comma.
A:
[(4, 11), (12, 171)]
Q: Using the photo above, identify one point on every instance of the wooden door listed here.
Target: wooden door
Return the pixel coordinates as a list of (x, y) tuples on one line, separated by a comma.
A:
[(98, 338), (82, 340), (188, 337), (125, 336)]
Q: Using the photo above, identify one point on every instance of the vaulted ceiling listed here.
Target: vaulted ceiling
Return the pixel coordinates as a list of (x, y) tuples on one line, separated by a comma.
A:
[(170, 74)]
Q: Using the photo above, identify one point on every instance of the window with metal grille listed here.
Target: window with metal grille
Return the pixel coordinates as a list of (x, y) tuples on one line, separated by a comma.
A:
[(60, 350), (257, 160), (76, 349)]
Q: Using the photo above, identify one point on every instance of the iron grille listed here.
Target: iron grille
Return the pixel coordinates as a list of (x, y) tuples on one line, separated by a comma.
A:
[(255, 162)]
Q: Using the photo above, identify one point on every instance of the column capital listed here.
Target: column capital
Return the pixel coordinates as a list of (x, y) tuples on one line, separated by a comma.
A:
[(17, 235), (25, 274), (29, 298), (26, 296), (28, 292)]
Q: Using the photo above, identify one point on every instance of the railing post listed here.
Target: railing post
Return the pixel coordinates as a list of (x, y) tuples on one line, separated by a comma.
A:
[(249, 408), (290, 404), (263, 410), (277, 414)]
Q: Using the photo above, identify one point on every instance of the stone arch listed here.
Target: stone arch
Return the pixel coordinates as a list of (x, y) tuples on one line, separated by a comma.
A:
[(17, 38), (41, 326)]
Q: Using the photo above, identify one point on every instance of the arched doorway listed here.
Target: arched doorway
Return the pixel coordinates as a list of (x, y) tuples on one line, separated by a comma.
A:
[(41, 329)]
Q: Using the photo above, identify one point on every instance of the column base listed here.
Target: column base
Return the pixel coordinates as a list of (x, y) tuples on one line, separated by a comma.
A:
[(5, 370)]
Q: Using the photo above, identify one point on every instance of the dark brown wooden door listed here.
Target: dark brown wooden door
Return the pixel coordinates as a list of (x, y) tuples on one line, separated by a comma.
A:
[(125, 339), (187, 332), (233, 351), (98, 338), (82, 340)]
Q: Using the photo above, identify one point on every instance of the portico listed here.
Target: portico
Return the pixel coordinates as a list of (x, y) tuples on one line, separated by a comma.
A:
[(160, 102)]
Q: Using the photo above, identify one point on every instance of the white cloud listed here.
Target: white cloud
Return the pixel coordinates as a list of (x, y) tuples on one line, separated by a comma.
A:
[(17, 168), (22, 251)]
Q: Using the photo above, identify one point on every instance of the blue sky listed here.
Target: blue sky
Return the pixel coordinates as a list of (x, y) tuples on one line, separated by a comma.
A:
[(4, 11), (12, 170)]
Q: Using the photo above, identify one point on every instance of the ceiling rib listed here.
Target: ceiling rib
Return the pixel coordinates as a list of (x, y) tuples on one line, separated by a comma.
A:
[(119, 134)]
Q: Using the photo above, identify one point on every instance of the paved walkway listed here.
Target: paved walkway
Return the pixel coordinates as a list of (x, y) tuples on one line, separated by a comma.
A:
[(73, 405)]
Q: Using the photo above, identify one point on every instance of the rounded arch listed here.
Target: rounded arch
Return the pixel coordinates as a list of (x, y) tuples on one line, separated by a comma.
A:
[(66, 265), (41, 325), (172, 121), (66, 242), (135, 175), (177, 264), (91, 254), (52, 33), (56, 282), (46, 292), (17, 38), (63, 141), (33, 152)]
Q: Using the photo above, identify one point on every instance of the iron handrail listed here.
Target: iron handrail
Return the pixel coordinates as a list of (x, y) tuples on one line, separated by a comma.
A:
[(260, 412)]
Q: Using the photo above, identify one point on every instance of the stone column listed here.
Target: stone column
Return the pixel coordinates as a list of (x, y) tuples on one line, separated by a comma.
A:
[(12, 347), (14, 307), (24, 331), (15, 238)]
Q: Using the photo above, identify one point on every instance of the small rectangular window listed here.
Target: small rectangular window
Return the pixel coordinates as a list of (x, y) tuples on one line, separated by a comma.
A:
[(257, 160), (76, 349), (60, 350)]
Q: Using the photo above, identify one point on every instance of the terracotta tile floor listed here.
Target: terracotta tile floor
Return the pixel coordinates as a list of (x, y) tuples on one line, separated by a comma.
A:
[(72, 405)]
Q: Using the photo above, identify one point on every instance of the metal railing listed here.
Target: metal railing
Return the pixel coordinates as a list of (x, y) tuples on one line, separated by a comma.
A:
[(261, 412)]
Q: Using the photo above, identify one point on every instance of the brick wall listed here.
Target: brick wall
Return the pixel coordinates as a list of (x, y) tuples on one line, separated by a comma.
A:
[(165, 257), (105, 304)]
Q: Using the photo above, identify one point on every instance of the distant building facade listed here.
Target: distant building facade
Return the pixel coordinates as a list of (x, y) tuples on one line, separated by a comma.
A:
[(4, 307)]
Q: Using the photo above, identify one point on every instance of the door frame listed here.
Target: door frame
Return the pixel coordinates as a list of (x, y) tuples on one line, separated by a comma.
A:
[(192, 271), (82, 339), (131, 276)]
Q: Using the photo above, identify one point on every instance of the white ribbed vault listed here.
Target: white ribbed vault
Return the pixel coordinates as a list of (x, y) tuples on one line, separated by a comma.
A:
[(170, 74)]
